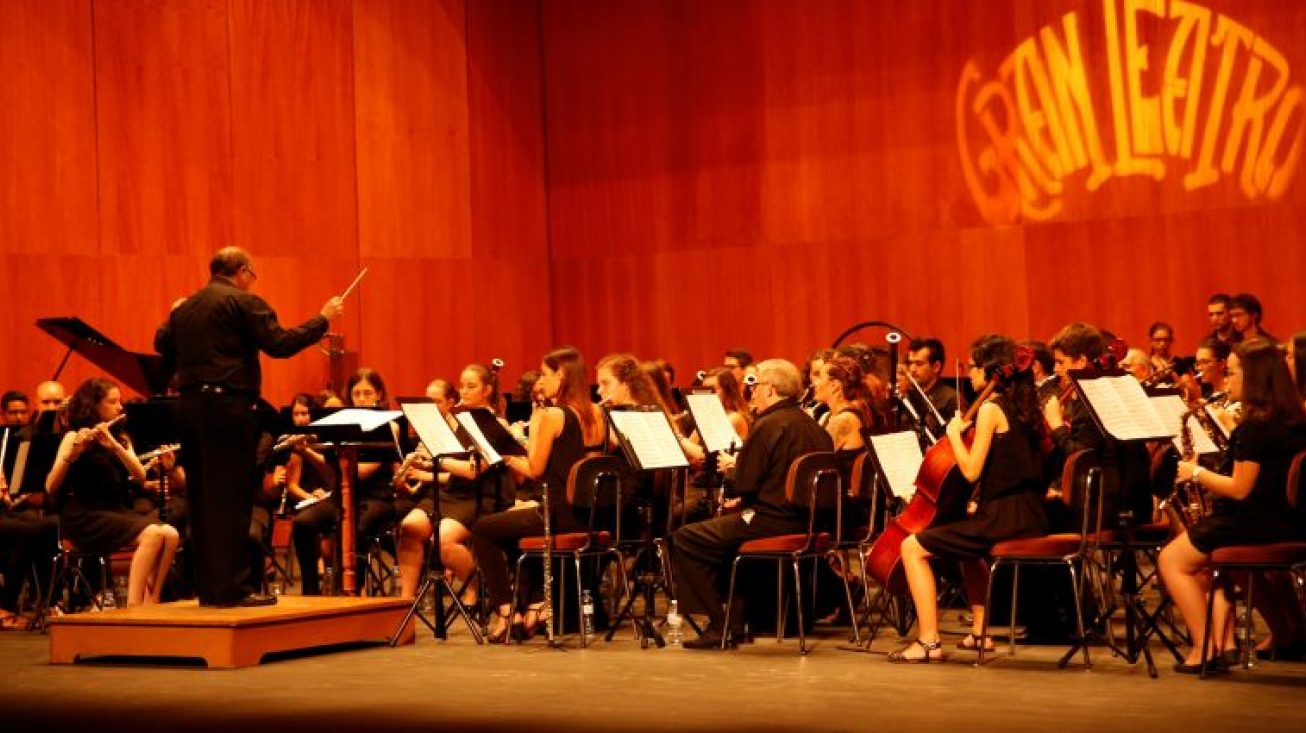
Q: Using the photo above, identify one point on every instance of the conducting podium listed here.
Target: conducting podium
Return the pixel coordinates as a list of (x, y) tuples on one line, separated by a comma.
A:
[(350, 432)]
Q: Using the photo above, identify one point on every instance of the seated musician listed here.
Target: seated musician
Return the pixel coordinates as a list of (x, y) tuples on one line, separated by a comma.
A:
[(468, 489), (1217, 313), (309, 474), (89, 482), (1137, 363), (1004, 459), (26, 532), (558, 436), (1251, 506), (373, 496), (702, 551), (1161, 337), (1245, 315), (924, 363), (624, 382)]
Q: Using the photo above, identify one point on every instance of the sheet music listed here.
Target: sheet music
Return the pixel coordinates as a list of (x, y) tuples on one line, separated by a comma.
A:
[(1171, 408), (899, 456), (366, 420), (468, 421), (713, 423), (650, 436), (431, 427), (1124, 409)]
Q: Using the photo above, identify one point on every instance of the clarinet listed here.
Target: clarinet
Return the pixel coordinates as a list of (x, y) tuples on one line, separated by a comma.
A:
[(547, 611)]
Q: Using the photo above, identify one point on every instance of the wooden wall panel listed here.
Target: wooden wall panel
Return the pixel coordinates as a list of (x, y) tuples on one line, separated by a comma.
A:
[(163, 122), (48, 215)]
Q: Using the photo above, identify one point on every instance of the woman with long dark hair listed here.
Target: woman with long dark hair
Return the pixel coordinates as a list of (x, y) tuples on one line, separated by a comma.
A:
[(1004, 459), (90, 483), (1250, 490), (560, 432)]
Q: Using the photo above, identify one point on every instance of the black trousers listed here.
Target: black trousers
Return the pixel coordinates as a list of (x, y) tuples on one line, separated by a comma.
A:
[(313, 522), (702, 553), (494, 542), (218, 439)]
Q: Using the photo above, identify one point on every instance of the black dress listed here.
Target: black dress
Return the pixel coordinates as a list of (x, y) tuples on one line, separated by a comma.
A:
[(96, 511), (1264, 516), (1010, 499)]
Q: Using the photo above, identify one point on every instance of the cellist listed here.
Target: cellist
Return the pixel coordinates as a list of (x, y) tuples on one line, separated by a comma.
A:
[(1003, 457)]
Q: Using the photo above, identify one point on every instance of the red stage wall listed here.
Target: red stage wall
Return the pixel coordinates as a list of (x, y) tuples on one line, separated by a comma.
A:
[(669, 177)]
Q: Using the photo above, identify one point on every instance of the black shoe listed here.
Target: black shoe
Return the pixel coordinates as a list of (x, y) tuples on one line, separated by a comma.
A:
[(709, 639), (1215, 666), (257, 599)]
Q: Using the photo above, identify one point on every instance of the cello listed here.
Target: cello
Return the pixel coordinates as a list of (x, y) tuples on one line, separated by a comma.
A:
[(942, 492)]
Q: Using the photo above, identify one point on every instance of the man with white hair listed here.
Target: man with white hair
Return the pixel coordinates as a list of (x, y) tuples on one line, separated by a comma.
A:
[(781, 433)]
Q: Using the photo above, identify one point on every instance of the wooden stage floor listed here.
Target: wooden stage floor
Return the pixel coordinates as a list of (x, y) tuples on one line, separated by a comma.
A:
[(456, 685), (225, 638)]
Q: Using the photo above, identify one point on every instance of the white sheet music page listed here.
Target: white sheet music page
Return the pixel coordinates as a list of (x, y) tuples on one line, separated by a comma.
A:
[(366, 420), (431, 427), (1124, 409), (1171, 408), (900, 457), (651, 437), (468, 421), (713, 423)]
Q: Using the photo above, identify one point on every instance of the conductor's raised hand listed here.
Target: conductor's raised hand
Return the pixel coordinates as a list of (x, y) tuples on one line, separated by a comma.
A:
[(333, 308)]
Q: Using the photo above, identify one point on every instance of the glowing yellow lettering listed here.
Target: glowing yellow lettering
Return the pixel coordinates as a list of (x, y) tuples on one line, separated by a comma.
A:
[(1194, 27), (1074, 103), (1038, 115), (1247, 118), (1001, 204), (1229, 35), (1126, 163), (1144, 110), (1269, 178)]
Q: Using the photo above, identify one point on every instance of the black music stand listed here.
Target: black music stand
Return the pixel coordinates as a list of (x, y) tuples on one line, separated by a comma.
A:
[(348, 437), (425, 417), (649, 444), (1114, 420)]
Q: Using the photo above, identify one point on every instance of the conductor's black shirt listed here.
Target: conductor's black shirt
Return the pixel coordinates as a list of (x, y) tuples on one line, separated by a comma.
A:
[(215, 335)]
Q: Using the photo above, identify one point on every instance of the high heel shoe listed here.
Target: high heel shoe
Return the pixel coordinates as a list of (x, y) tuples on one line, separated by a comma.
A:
[(500, 634), (532, 622)]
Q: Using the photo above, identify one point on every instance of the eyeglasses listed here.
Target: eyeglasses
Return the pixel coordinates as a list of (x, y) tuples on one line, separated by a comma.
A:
[(250, 270)]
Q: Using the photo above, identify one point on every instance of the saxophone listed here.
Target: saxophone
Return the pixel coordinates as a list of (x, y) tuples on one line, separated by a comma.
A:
[(1187, 505)]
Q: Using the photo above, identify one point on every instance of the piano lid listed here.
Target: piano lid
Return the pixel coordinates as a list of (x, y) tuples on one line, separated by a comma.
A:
[(147, 374)]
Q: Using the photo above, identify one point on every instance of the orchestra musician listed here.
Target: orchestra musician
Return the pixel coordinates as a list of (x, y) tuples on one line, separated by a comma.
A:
[(1251, 506), (1217, 314), (924, 363), (90, 483), (729, 390), (703, 550), (309, 474), (26, 532), (1161, 336), (1137, 363), (1245, 315), (1004, 459), (559, 433), (1209, 362), (467, 489)]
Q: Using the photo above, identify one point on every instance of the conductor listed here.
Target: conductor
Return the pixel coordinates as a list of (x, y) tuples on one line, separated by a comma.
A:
[(215, 337)]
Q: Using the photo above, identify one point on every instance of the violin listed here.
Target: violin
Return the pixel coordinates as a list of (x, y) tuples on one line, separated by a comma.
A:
[(942, 492)]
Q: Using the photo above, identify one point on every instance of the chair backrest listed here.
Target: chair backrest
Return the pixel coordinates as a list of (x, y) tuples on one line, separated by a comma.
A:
[(1295, 479), (815, 482), (866, 487), (1077, 482), (594, 483)]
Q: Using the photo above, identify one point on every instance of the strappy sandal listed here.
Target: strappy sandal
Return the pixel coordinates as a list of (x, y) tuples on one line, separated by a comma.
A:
[(532, 622), (899, 656), (971, 643), (500, 635)]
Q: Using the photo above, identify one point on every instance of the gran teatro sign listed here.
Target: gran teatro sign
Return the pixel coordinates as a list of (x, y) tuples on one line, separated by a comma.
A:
[(1179, 92)]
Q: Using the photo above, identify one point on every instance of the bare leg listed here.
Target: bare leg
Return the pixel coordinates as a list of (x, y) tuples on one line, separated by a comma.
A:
[(456, 555), (149, 543), (975, 572), (170, 540), (920, 578), (1183, 567), (414, 531)]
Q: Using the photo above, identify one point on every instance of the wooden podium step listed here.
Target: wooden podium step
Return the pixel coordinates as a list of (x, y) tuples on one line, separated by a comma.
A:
[(225, 638)]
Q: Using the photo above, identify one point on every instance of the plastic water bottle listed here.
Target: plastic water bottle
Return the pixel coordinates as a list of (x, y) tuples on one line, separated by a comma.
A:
[(674, 621), (328, 581), (587, 615), (106, 600), (120, 591)]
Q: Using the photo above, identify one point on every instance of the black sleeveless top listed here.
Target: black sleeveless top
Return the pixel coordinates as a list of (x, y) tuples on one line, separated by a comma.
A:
[(568, 448), (1013, 465)]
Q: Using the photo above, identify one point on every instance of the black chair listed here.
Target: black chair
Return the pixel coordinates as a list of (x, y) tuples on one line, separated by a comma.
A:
[(593, 487), (815, 482)]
